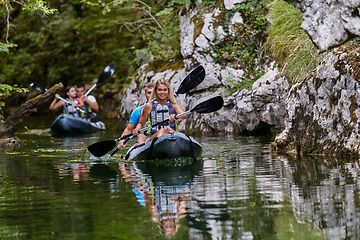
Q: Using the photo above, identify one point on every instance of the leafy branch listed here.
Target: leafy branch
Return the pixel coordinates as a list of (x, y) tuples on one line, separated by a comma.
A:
[(5, 91), (28, 5), (158, 28)]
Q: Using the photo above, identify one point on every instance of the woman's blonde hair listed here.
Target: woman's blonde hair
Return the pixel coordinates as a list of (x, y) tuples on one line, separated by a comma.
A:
[(163, 82)]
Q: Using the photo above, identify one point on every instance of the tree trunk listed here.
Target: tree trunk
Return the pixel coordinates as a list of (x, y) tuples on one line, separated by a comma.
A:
[(8, 128)]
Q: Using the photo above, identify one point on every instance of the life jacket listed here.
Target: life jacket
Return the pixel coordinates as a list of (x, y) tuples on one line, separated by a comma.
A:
[(87, 108), (70, 110), (159, 113), (92, 116)]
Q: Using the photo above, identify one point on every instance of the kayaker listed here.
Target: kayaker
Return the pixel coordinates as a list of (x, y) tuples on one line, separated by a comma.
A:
[(135, 117), (90, 103), (68, 108), (162, 105)]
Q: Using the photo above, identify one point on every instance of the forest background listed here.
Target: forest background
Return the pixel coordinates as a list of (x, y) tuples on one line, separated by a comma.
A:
[(72, 41)]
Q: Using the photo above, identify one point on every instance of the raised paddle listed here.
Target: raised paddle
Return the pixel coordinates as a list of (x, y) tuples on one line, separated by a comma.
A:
[(36, 84), (191, 81), (106, 73), (99, 149)]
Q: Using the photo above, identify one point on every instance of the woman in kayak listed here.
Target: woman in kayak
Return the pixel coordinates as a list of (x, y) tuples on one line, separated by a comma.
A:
[(162, 106), (68, 108)]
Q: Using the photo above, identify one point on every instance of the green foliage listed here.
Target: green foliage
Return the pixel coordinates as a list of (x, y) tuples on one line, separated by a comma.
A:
[(289, 44), (71, 46), (157, 25), (245, 83), (36, 6), (160, 46), (244, 47), (6, 91), (5, 47), (210, 3)]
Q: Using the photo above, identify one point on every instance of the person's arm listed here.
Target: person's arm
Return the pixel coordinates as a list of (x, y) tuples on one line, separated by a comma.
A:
[(143, 118), (126, 131), (56, 103), (134, 119), (80, 105), (92, 102), (178, 110)]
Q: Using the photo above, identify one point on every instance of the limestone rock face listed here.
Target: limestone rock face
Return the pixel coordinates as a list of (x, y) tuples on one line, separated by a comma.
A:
[(323, 111), (246, 111), (259, 110), (329, 23)]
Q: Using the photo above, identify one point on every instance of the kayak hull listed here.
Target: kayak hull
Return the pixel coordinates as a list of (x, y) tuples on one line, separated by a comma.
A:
[(169, 146), (68, 124)]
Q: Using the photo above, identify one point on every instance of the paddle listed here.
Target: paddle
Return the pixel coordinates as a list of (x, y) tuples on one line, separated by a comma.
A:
[(128, 139), (101, 148), (191, 81), (105, 74), (36, 84)]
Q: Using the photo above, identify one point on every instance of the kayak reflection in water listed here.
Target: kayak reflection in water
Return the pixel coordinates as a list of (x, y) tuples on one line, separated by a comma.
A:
[(167, 203)]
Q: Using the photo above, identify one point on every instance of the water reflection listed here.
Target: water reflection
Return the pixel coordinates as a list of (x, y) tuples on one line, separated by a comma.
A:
[(78, 171), (164, 189), (241, 194), (239, 190), (325, 192)]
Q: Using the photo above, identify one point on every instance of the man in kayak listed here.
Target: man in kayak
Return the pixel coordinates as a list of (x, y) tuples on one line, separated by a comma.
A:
[(90, 103), (135, 116), (162, 106), (70, 107)]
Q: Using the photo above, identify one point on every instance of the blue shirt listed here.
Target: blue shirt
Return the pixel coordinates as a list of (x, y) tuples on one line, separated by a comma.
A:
[(135, 115)]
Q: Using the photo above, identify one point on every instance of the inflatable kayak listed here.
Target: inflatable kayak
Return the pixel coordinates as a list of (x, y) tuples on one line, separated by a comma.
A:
[(168, 146), (67, 124)]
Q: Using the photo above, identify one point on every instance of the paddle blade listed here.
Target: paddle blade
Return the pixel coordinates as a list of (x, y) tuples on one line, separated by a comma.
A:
[(108, 71), (99, 149), (36, 84), (192, 80), (209, 106)]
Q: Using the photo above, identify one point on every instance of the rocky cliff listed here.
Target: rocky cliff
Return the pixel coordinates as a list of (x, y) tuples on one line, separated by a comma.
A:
[(329, 23), (258, 110), (319, 115), (323, 114)]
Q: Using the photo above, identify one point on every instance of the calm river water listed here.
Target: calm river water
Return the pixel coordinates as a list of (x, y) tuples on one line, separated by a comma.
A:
[(51, 188)]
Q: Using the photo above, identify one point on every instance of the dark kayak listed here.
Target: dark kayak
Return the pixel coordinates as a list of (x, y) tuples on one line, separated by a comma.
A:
[(169, 146), (67, 124)]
